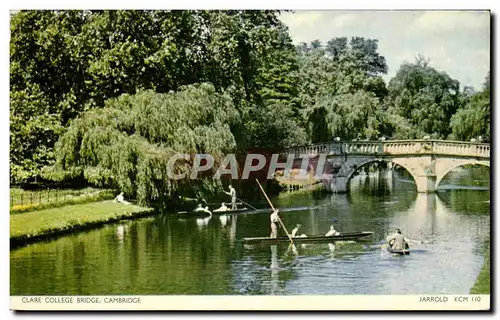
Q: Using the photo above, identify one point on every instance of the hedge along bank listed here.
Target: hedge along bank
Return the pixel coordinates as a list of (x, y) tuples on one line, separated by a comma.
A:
[(253, 162), (83, 198)]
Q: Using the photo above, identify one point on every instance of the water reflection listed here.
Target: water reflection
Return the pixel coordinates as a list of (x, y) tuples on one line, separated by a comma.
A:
[(274, 270), (331, 247), (232, 229), (292, 250), (224, 219), (120, 232), (165, 255), (229, 224), (203, 222)]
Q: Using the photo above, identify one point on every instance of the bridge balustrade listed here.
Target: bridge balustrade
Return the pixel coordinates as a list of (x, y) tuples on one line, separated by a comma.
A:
[(394, 147)]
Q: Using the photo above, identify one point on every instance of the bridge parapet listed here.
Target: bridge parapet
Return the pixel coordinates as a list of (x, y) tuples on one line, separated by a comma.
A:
[(462, 149), (393, 147), (362, 147)]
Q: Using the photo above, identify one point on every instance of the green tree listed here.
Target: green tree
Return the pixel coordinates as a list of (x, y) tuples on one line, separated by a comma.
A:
[(422, 101), (128, 143), (64, 63), (349, 116), (474, 118), (341, 91), (261, 73)]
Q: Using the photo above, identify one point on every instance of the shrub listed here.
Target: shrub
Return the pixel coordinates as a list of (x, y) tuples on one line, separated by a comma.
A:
[(102, 195)]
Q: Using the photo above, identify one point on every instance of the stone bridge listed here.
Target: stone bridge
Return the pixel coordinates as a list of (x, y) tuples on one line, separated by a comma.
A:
[(428, 161)]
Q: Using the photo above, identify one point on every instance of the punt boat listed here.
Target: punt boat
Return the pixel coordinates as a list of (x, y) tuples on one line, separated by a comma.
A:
[(352, 236), (204, 214)]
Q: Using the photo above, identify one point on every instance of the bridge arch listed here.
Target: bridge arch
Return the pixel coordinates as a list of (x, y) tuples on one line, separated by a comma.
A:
[(440, 174), (365, 162)]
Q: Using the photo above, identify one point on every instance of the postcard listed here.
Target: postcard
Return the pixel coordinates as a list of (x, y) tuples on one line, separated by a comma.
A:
[(250, 160)]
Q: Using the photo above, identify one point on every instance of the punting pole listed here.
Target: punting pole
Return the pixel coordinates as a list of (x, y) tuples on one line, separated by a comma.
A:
[(247, 204)]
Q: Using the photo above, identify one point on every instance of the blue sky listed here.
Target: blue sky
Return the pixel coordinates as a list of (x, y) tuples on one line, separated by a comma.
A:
[(456, 42)]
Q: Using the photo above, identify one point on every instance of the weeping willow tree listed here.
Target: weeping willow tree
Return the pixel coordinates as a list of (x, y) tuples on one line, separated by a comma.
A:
[(348, 116), (128, 143)]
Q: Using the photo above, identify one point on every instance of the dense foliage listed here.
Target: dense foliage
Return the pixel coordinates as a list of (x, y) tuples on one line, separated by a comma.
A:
[(474, 118), (64, 63), (130, 141), (422, 101), (121, 91), (341, 91)]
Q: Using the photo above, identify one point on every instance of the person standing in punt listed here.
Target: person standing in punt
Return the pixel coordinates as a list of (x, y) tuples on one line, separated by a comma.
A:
[(232, 194), (274, 224)]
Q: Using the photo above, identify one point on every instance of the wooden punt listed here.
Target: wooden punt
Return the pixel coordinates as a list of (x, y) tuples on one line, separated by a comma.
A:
[(239, 210), (319, 238), (204, 214)]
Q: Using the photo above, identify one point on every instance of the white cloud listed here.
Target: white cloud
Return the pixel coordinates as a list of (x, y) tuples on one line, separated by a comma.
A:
[(453, 20), (456, 42), (343, 21)]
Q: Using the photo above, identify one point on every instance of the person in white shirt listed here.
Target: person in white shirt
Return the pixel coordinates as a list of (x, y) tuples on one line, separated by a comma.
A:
[(232, 193), (397, 241), (222, 208), (295, 230), (200, 208), (332, 232), (120, 199), (274, 224)]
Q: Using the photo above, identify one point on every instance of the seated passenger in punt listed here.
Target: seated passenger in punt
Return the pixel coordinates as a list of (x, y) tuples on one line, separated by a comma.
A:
[(223, 208), (296, 230), (397, 241), (200, 208), (397, 234), (332, 232)]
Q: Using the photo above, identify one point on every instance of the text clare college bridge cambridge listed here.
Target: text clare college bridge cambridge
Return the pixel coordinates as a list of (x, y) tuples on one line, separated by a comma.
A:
[(428, 161)]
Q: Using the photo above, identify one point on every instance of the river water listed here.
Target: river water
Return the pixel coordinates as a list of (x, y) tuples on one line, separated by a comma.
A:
[(165, 255)]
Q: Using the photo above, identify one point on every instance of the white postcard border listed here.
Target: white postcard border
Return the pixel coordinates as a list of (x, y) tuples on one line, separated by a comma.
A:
[(254, 303)]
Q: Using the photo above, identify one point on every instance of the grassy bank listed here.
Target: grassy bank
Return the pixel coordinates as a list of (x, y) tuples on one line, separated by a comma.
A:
[(48, 222), (482, 285)]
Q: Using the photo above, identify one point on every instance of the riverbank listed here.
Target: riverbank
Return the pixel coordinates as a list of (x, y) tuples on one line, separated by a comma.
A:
[(41, 224), (482, 284)]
